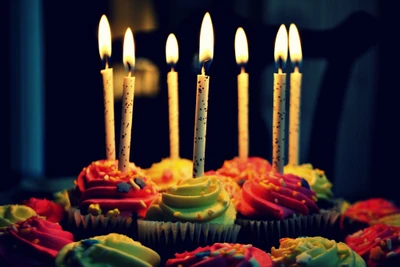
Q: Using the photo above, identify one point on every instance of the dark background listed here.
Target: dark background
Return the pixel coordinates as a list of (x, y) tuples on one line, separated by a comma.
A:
[(349, 85)]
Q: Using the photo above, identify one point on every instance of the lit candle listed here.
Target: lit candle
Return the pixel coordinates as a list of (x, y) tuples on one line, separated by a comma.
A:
[(278, 124), (242, 56), (127, 102), (295, 93), (206, 53), (108, 86), (172, 56)]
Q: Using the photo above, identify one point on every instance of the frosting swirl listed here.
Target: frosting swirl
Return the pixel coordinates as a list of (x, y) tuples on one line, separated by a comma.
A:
[(107, 250), (316, 178), (194, 200), (276, 196), (314, 251), (46, 208), (241, 171), (376, 244), (102, 185), (33, 242), (222, 254), (392, 220), (227, 183), (10, 214)]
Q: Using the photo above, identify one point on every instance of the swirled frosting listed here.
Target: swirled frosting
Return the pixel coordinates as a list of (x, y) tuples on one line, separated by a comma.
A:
[(222, 254), (392, 220), (46, 208), (101, 184), (33, 242), (241, 171), (376, 244), (316, 178), (108, 250), (169, 172), (314, 251), (200, 199), (276, 196), (10, 214), (228, 183)]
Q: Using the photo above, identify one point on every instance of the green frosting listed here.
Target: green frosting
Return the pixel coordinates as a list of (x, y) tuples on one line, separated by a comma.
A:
[(316, 178), (10, 214), (200, 199), (315, 251), (108, 250)]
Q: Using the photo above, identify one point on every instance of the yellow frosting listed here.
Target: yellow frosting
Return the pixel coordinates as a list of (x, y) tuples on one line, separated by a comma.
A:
[(316, 178), (392, 220), (10, 214)]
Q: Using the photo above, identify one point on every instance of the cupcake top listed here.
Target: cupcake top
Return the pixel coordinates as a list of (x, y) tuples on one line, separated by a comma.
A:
[(105, 189), (201, 199), (46, 208), (241, 171), (107, 250), (316, 178), (392, 220), (222, 254), (376, 244), (169, 172), (62, 199), (228, 183), (370, 210), (314, 251), (10, 214), (276, 196), (33, 242)]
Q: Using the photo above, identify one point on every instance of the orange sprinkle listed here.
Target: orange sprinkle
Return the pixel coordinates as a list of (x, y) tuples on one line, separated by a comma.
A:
[(303, 201), (199, 216), (35, 241), (298, 184), (294, 193)]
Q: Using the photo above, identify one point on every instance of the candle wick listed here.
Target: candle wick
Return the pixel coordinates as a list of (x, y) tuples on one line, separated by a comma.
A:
[(106, 63), (172, 69), (242, 70), (280, 70), (203, 71), (296, 68), (129, 73)]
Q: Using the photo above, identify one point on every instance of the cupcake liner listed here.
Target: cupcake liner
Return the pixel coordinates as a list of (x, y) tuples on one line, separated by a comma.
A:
[(266, 233)]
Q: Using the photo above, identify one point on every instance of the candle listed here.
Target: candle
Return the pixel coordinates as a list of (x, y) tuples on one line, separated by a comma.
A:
[(295, 93), (108, 86), (172, 56), (206, 52), (127, 102), (242, 56), (278, 124)]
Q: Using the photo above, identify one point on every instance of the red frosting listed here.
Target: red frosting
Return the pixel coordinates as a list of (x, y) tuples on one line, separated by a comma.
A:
[(222, 254), (43, 207), (276, 196), (241, 171), (33, 242), (376, 243), (369, 210)]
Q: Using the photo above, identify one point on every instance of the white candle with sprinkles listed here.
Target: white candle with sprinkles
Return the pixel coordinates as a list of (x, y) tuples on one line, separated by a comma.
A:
[(242, 56), (172, 56), (108, 86), (278, 124), (295, 95), (127, 102), (206, 52)]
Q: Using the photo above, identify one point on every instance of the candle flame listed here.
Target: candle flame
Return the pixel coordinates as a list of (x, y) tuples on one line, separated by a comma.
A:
[(281, 46), (294, 44), (241, 48), (206, 52), (104, 37), (129, 50), (171, 50)]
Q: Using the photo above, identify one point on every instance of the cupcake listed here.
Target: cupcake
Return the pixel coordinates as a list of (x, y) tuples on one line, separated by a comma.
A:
[(169, 172), (32, 242), (195, 212), (314, 251), (379, 245), (222, 254), (10, 214), (241, 171), (107, 250), (277, 206), (46, 208), (228, 183)]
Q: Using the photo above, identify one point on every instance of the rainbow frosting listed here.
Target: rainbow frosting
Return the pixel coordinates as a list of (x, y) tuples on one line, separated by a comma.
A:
[(222, 254), (194, 200), (316, 178), (376, 244), (169, 172), (10, 214), (314, 251), (105, 189), (276, 196), (107, 250)]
